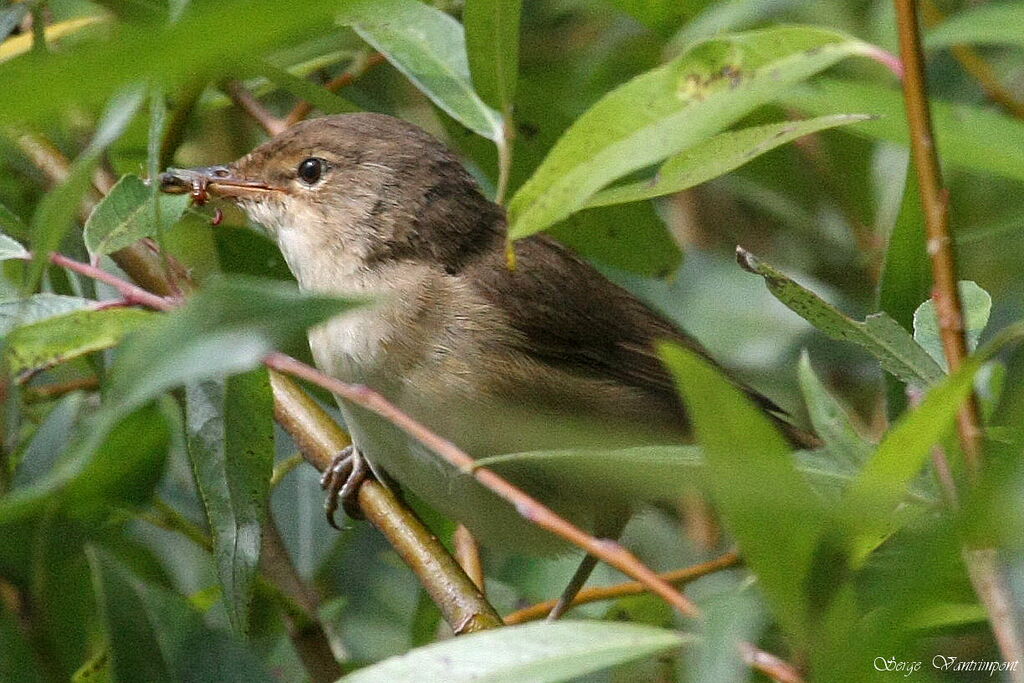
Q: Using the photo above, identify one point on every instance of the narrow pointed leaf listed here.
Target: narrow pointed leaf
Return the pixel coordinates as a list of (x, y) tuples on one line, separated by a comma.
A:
[(539, 653), (492, 41), (998, 23), (985, 149), (429, 47), (830, 420), (667, 110), (764, 501), (64, 337), (879, 334), (28, 310), (717, 156), (231, 446), (128, 213)]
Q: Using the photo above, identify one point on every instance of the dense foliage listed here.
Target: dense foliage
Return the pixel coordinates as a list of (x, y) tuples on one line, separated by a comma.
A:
[(141, 473)]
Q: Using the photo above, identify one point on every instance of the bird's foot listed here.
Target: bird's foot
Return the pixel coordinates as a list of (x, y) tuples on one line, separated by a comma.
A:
[(341, 481)]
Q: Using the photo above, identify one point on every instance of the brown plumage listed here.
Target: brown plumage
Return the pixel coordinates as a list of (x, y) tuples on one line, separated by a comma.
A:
[(549, 355)]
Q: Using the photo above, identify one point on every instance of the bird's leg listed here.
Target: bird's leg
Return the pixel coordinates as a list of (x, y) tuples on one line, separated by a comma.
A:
[(575, 584), (609, 527), (341, 481)]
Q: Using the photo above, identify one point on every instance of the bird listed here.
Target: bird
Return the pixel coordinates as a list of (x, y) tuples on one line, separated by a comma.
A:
[(548, 354)]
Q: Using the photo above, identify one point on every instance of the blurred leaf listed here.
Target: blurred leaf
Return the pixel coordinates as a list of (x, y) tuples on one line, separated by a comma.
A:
[(996, 23), (320, 97), (985, 149), (906, 276), (429, 47), (538, 653), (729, 619), (764, 501), (492, 42), (831, 421), (16, 660), (717, 156), (11, 222), (976, 304), (128, 213), (10, 248), (667, 110), (115, 462), (155, 636), (95, 670), (648, 473), (879, 334), (57, 210), (231, 446), (658, 15), (226, 328), (882, 482), (948, 614), (628, 236), (167, 54), (724, 16), (32, 309), (63, 337)]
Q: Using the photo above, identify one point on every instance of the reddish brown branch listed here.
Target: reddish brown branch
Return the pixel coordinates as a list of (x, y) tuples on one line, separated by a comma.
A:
[(677, 577), (303, 108), (241, 96)]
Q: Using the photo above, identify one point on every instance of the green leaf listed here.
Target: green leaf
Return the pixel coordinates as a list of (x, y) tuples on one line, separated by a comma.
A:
[(11, 222), (168, 54), (628, 236), (976, 304), (830, 420), (38, 307), (764, 501), (667, 110), (226, 328), (492, 41), (985, 149), (63, 337), (128, 213), (996, 23), (879, 334), (537, 653), (231, 445), (882, 483), (717, 156), (154, 635), (116, 462), (57, 210), (429, 47)]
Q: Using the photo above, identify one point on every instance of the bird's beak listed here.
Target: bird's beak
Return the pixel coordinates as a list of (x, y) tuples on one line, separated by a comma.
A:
[(218, 181)]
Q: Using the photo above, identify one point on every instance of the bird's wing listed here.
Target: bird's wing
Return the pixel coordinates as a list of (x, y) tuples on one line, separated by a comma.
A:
[(574, 319)]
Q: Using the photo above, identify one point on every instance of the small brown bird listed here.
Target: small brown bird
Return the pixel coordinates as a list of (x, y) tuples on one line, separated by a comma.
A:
[(548, 355)]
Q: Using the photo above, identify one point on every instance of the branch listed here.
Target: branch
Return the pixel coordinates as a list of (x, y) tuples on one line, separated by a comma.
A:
[(467, 552), (358, 68), (528, 507), (935, 202), (983, 566), (677, 577), (253, 107)]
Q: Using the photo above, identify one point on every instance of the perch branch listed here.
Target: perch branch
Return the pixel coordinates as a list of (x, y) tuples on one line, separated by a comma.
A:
[(358, 68)]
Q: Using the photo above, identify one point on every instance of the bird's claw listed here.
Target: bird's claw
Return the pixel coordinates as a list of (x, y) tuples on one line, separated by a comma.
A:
[(341, 481)]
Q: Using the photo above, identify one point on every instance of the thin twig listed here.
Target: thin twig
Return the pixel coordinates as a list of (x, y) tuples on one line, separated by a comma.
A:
[(253, 107), (358, 68), (935, 202), (769, 664), (677, 577), (47, 392), (528, 507), (976, 66), (284, 468), (984, 569)]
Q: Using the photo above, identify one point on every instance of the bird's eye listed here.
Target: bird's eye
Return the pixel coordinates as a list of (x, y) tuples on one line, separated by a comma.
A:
[(310, 170)]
